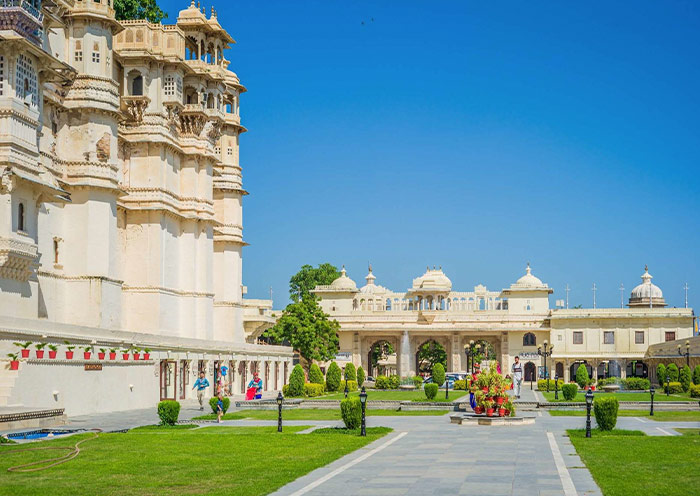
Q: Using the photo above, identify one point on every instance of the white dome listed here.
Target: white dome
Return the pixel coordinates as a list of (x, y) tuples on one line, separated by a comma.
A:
[(641, 294), (432, 280), (343, 283), (528, 280), (370, 287)]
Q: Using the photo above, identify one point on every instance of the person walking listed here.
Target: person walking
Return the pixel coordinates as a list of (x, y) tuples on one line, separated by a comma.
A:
[(517, 370), (201, 384)]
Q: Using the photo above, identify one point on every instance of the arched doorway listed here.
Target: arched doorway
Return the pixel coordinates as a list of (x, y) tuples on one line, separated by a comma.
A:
[(559, 370), (574, 368), (428, 354), (530, 371), (637, 368), (379, 358)]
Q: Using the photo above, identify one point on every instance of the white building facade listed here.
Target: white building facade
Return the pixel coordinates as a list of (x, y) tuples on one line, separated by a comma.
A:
[(121, 210)]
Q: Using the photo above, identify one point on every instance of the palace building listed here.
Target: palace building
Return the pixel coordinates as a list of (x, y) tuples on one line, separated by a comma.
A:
[(121, 210), (513, 321)]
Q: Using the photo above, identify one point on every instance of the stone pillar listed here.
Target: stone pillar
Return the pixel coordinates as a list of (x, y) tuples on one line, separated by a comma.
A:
[(505, 354), (456, 354), (356, 353), (623, 368), (404, 357), (566, 371)]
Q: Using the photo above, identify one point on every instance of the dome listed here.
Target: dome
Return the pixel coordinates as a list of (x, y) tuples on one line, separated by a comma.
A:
[(528, 280), (432, 280), (642, 294), (370, 287), (343, 283)]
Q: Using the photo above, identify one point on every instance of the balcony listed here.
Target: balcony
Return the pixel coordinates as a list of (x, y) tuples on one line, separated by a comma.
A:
[(18, 259), (135, 107), (193, 117), (23, 18)]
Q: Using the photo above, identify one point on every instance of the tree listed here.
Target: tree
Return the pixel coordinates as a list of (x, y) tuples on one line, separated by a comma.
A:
[(307, 329), (350, 372), (380, 351), (439, 374), (333, 377), (309, 277), (429, 354), (582, 376), (296, 381), (696, 375), (685, 377), (361, 376), (672, 371), (127, 10), (315, 375), (661, 374)]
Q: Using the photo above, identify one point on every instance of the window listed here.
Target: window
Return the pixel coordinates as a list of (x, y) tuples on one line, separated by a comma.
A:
[(20, 217), (529, 339), (78, 51), (578, 337), (670, 335), (137, 86), (96, 53), (229, 151), (608, 337), (26, 80), (169, 86), (217, 151), (638, 337), (55, 250), (2, 72)]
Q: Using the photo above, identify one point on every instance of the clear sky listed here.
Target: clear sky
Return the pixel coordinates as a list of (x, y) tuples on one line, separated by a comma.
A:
[(473, 135)]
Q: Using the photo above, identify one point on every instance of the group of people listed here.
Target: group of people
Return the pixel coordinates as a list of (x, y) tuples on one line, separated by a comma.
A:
[(255, 389)]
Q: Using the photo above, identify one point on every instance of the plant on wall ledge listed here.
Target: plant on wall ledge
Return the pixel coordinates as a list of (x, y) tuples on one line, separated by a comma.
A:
[(25, 348), (14, 361), (40, 349), (69, 348), (125, 353), (53, 349), (137, 353), (146, 354), (87, 352)]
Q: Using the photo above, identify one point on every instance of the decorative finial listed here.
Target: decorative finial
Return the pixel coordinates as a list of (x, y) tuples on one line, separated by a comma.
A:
[(441, 267), (646, 268), (213, 13), (192, 3), (528, 268), (370, 267)]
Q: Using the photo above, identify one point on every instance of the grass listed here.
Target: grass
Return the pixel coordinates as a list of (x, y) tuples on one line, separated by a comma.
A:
[(689, 432), (313, 414), (639, 396), (162, 429), (624, 464), (659, 415), (410, 395), (164, 461)]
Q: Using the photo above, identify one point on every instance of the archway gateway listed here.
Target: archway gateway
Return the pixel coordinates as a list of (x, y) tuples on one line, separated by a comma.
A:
[(378, 352), (428, 354)]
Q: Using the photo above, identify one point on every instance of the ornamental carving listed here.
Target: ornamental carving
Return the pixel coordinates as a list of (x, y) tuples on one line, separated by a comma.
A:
[(18, 259), (135, 107)]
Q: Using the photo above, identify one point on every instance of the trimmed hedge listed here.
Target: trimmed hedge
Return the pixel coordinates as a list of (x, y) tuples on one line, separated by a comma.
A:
[(636, 383), (569, 391), (695, 391), (582, 376), (311, 389), (438, 374), (394, 382), (605, 410), (213, 401), (351, 411), (360, 376), (460, 385), (542, 384), (608, 381), (381, 382), (333, 377), (661, 373), (168, 411), (672, 371), (431, 390), (350, 372), (316, 376), (417, 381), (296, 382), (696, 375), (685, 377), (673, 388)]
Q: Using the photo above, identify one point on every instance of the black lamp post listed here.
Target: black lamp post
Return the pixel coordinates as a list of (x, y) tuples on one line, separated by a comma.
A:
[(651, 392), (687, 352), (447, 386), (346, 383), (363, 402), (668, 384), (589, 403), (476, 349), (556, 387), (280, 399), (545, 354)]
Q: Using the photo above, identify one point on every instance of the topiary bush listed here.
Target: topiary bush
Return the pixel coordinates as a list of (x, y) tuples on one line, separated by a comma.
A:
[(351, 411), (311, 389), (168, 411), (673, 388), (315, 375), (350, 372), (360, 376), (431, 390), (685, 377), (285, 390), (605, 410), (636, 383), (582, 376), (394, 382), (296, 382), (333, 377), (696, 375), (460, 385), (213, 401), (352, 386), (695, 391), (438, 374), (569, 391), (672, 371), (661, 373), (382, 382), (417, 381)]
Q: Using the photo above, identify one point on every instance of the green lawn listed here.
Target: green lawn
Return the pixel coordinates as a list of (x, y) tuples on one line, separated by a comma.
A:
[(689, 432), (631, 464), (313, 414), (209, 461), (640, 396), (659, 415), (411, 395)]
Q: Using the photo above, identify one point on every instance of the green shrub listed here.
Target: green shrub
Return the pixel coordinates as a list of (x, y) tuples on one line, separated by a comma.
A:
[(460, 385), (582, 376), (695, 391), (311, 389), (352, 386), (673, 388), (213, 401), (360, 376), (351, 411), (685, 377), (605, 410), (417, 381), (350, 372), (315, 375), (661, 373), (542, 384), (333, 377), (636, 383), (431, 390), (285, 390), (672, 371), (394, 382), (696, 375), (168, 411), (382, 382), (608, 381), (438, 374), (296, 382), (569, 391)]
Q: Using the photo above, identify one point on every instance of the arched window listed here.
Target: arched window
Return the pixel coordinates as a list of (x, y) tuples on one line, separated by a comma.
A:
[(20, 217), (388, 304), (137, 86), (529, 339)]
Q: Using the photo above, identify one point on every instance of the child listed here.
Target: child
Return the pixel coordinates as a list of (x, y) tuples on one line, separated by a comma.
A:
[(219, 408)]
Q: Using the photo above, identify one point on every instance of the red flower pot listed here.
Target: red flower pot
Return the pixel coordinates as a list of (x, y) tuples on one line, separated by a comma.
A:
[(25, 353), (136, 356), (485, 390), (478, 410), (500, 400), (146, 356), (40, 353), (69, 355), (125, 356), (592, 388), (86, 355), (113, 356), (101, 356), (52, 354), (14, 365), (501, 412), (489, 412)]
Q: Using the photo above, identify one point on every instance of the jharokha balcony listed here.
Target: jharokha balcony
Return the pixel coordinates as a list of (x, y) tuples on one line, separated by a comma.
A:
[(24, 17)]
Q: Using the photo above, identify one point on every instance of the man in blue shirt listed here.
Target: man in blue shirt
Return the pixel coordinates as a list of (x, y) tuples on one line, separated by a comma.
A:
[(201, 385)]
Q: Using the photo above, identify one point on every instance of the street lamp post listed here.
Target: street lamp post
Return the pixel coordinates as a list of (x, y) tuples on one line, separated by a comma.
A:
[(651, 392), (346, 383), (545, 354), (668, 385), (363, 402), (687, 352), (447, 388), (280, 399), (589, 403), (556, 387)]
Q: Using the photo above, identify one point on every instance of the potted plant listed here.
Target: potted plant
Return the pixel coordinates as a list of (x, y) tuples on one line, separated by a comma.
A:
[(69, 350), (101, 354), (113, 353), (53, 349), (146, 354), (14, 361), (40, 349), (489, 408), (25, 348), (137, 353), (87, 352), (502, 396), (125, 354)]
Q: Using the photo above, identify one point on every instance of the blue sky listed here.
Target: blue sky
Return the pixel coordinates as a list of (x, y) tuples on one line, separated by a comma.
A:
[(473, 135)]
